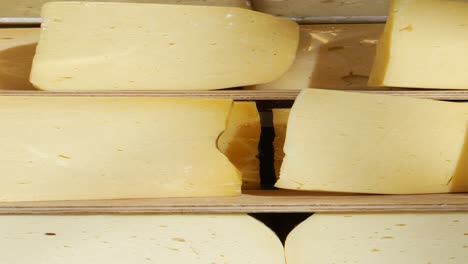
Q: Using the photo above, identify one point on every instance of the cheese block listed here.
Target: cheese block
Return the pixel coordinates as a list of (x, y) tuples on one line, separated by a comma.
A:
[(159, 47), (424, 45), (17, 48), (280, 123), (331, 56), (317, 8), (385, 238), (32, 8), (82, 148), (240, 140), (370, 143), (123, 239)]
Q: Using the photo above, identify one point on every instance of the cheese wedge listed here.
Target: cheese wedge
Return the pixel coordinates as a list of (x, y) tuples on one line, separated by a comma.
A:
[(317, 8), (331, 56), (385, 238), (424, 45), (120, 239), (32, 8), (17, 48), (240, 140), (124, 46), (79, 148), (368, 143), (280, 123)]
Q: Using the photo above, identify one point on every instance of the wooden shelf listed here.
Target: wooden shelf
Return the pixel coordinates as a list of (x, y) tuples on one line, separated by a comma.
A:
[(271, 201)]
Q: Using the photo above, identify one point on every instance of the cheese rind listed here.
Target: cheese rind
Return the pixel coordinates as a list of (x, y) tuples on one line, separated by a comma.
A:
[(424, 45), (280, 124), (368, 143), (119, 239), (124, 46), (380, 238), (80, 148)]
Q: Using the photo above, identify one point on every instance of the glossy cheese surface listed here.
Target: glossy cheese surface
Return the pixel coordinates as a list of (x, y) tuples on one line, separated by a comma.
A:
[(159, 47), (436, 238), (120, 239), (85, 148), (369, 143)]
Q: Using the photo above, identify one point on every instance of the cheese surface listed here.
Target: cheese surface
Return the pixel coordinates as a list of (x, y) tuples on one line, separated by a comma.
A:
[(32, 8), (17, 48), (119, 239), (424, 45), (280, 124), (368, 143), (436, 238), (159, 47), (331, 56), (82, 148), (239, 142)]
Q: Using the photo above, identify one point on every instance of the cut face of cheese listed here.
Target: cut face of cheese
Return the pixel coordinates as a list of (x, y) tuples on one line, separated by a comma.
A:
[(32, 8), (314, 8), (81, 148), (424, 45), (380, 238), (239, 142), (331, 56), (365, 143), (17, 48), (120, 239), (124, 46), (280, 123)]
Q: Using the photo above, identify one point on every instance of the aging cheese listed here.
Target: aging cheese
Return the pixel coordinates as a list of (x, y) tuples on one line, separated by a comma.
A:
[(436, 238), (280, 123), (17, 48), (124, 46), (331, 56), (424, 45), (80, 148), (365, 143), (32, 8), (119, 239), (239, 142)]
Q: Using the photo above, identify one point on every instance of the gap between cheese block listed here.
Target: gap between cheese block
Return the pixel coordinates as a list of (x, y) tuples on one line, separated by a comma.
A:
[(280, 123), (384, 238), (368, 143)]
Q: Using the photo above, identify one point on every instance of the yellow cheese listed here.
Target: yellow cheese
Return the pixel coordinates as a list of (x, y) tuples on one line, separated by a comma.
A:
[(32, 8), (314, 8), (436, 238), (240, 140), (368, 143), (424, 45), (280, 122), (124, 46), (79, 148), (138, 239), (17, 48), (331, 56)]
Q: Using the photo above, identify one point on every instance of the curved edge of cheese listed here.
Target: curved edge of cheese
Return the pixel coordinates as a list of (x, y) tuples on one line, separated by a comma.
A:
[(211, 47), (82, 148), (384, 238), (123, 239), (239, 142), (368, 143), (280, 124)]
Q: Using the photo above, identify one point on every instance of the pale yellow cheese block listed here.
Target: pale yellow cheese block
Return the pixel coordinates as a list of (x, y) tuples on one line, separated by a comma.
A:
[(369, 143), (138, 239), (331, 56), (280, 123), (17, 48), (317, 8), (81, 148), (387, 238), (425, 45), (240, 140), (32, 8), (124, 46)]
